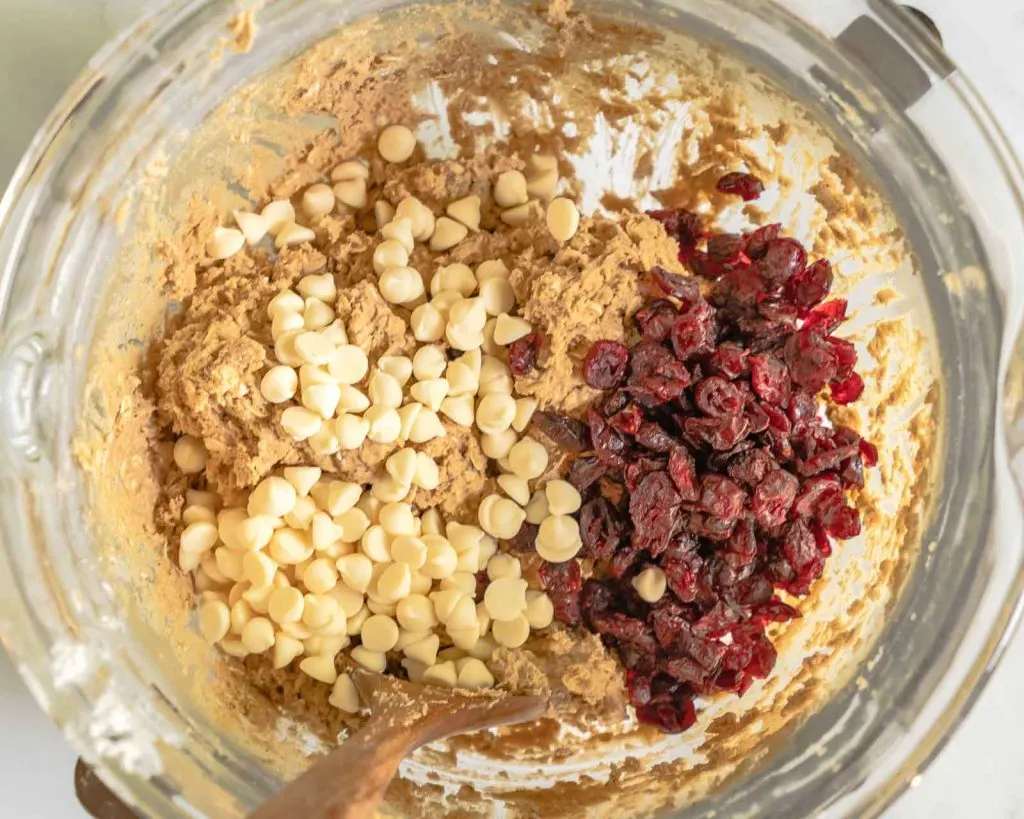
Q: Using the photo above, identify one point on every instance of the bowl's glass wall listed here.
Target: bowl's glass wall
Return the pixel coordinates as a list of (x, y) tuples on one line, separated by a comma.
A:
[(56, 244)]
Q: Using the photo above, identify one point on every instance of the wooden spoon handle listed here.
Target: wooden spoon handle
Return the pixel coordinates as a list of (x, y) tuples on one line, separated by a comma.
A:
[(349, 783)]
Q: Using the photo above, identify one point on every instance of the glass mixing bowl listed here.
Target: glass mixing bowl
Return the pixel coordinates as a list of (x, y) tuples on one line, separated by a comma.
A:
[(868, 71)]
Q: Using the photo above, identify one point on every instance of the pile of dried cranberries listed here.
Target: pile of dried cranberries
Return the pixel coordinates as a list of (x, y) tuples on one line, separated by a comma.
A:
[(707, 457)]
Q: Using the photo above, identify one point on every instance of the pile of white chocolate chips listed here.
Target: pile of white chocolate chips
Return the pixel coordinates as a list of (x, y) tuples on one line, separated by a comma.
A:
[(313, 566)]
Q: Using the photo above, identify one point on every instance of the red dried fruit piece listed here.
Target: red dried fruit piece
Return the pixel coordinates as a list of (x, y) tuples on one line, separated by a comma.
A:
[(727, 249), (813, 491), (655, 320), (757, 240), (869, 453), (783, 259), (678, 286), (848, 390), (825, 318), (846, 356), (652, 507), (721, 497), (799, 546), (683, 471), (745, 185), (721, 434), (770, 379), (750, 468), (585, 472), (564, 584), (567, 433), (692, 335), (653, 437), (596, 597), (525, 540), (729, 360), (774, 497), (672, 717), (719, 398), (774, 611), (812, 286), (626, 630), (605, 365), (601, 528), (627, 420), (688, 578), (843, 523), (682, 225), (811, 360), (608, 442), (522, 354)]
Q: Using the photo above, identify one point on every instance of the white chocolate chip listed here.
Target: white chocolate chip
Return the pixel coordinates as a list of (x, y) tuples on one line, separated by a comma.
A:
[(427, 475), (314, 348), (383, 212), (402, 465), (258, 635), (558, 538), (351, 193), (317, 287), (516, 488), (563, 219), (253, 226), (293, 234), (400, 228), (462, 380), (503, 565), (224, 243), (495, 377), (317, 200), (286, 649), (286, 323), (385, 391), (353, 523), (287, 301), (528, 458), (497, 296), (300, 423), (463, 581), (303, 478), (473, 674), (466, 211), (350, 399), (445, 601), (348, 364), (335, 333), (286, 605), (563, 498), (525, 407), (419, 215), (500, 517), (342, 496), (273, 496), (463, 616), (426, 427), (255, 532), (259, 569), (389, 253), (277, 214), (444, 300), (400, 285), (454, 277), (397, 519), (499, 445), (510, 328), (521, 214), (320, 668), (505, 598), (540, 611), (442, 675), (441, 557), (407, 416), (542, 177), (429, 362), (537, 508), (284, 350), (289, 546), (424, 650), (214, 620), (410, 550), (395, 582), (494, 413), (512, 633), (318, 610), (396, 143), (189, 455), (398, 367), (427, 323), (431, 392), (379, 633), (316, 314), (388, 490), (490, 347), (650, 584), (324, 531), (510, 189), (431, 522), (447, 233), (351, 169), (344, 695), (491, 269), (459, 409), (322, 399), (464, 639), (370, 660), (355, 571), (352, 431)]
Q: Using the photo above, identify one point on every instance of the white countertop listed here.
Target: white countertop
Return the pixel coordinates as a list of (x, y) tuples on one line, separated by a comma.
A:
[(978, 774)]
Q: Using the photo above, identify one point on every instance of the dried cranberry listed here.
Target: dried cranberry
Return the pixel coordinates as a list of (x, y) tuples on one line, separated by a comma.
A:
[(745, 185), (692, 335), (627, 420), (773, 498), (683, 471), (605, 365), (721, 497), (812, 286), (600, 528), (869, 453), (608, 442), (567, 433), (652, 436), (719, 433), (652, 507), (585, 472), (525, 540), (770, 378), (718, 398), (825, 318), (655, 320), (683, 225), (812, 492), (726, 249), (564, 584), (750, 468), (729, 360), (783, 259), (757, 240), (522, 354), (848, 390), (672, 716), (811, 360), (684, 288)]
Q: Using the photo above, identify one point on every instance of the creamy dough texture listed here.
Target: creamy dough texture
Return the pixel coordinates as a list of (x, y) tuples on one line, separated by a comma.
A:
[(602, 95)]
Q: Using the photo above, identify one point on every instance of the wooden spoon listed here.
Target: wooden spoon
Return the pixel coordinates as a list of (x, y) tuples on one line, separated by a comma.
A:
[(349, 783)]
